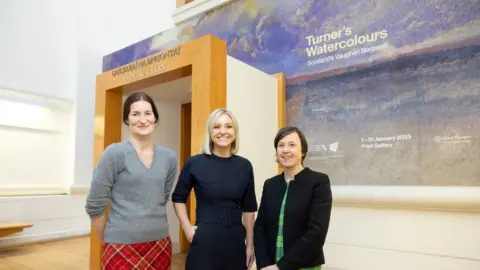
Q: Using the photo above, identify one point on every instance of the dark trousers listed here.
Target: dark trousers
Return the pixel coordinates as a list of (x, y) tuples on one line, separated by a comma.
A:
[(217, 247)]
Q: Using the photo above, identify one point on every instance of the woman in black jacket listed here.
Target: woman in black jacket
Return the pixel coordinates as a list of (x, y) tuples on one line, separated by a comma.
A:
[(295, 209)]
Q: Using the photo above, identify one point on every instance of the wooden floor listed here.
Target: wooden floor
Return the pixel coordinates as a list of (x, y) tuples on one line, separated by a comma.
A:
[(69, 254)]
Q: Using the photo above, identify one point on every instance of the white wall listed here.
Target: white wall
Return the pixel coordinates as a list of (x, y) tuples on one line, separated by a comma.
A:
[(37, 158), (37, 148), (396, 239), (38, 48), (54, 49), (404, 227), (38, 61), (39, 56), (167, 134), (258, 122), (103, 28), (53, 217), (90, 49), (127, 23), (361, 237)]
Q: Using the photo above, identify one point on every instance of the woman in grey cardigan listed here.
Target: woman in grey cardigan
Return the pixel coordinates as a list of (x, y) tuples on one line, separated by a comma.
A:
[(135, 177)]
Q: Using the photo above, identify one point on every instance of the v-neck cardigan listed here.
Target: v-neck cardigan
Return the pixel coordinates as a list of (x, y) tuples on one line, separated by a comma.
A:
[(306, 220), (137, 195)]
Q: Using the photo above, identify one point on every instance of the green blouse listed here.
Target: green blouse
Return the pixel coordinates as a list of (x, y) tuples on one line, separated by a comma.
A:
[(280, 251)]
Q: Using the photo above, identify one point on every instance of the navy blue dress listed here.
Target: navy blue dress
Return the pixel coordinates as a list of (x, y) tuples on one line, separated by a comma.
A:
[(224, 189)]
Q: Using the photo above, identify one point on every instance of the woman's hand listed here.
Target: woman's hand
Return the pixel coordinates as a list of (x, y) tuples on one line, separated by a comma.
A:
[(190, 233), (250, 257)]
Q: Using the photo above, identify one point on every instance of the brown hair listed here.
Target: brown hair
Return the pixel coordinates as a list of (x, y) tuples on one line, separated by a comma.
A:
[(282, 133), (134, 97)]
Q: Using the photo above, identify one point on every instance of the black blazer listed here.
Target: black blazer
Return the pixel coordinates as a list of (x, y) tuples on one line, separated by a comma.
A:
[(306, 220)]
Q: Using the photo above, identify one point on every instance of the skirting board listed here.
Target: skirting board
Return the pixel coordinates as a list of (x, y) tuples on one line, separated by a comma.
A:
[(19, 241), (79, 189), (17, 191), (22, 240)]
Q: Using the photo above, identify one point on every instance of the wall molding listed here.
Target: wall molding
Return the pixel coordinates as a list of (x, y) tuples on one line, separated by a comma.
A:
[(45, 114), (417, 197), (195, 8), (20, 191), (79, 189), (26, 97), (21, 240)]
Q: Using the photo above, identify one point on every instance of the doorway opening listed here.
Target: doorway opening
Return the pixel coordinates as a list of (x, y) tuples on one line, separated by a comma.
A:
[(173, 101)]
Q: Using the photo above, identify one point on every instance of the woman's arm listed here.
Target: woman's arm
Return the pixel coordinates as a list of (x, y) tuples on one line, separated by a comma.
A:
[(181, 212), (180, 196), (170, 178), (260, 237), (248, 221), (312, 242), (102, 182), (98, 225), (249, 207)]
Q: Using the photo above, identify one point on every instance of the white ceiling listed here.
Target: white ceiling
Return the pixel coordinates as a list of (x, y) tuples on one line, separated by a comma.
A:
[(174, 91)]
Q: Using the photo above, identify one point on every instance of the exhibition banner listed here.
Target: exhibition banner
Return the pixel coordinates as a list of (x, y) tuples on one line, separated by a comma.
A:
[(387, 92)]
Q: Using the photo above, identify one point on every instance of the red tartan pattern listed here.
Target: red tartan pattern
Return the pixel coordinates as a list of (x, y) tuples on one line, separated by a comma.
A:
[(154, 255)]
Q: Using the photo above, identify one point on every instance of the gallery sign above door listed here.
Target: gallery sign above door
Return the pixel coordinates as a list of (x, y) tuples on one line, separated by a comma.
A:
[(145, 67)]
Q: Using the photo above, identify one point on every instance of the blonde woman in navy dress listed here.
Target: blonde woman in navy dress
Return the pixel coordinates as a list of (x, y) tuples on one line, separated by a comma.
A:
[(222, 238)]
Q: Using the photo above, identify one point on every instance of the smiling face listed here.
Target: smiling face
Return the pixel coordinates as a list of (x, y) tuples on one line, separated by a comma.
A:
[(289, 151), (141, 118), (223, 131)]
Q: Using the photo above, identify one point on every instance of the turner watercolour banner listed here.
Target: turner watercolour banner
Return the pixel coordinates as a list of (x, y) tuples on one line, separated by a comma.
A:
[(388, 92), (327, 44)]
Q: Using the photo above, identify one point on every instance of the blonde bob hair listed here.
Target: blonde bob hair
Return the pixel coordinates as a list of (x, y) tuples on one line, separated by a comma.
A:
[(207, 146)]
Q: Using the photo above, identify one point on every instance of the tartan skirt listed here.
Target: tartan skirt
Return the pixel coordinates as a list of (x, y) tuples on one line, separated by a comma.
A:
[(153, 255)]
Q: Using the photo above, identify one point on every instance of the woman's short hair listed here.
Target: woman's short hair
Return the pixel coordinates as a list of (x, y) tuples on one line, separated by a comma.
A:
[(134, 97), (282, 133), (207, 146)]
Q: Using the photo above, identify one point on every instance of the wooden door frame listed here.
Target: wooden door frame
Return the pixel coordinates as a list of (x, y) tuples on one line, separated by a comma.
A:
[(185, 153), (281, 103), (205, 59)]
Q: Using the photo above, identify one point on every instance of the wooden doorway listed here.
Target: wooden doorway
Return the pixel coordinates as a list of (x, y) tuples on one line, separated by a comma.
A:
[(205, 59), (185, 153)]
